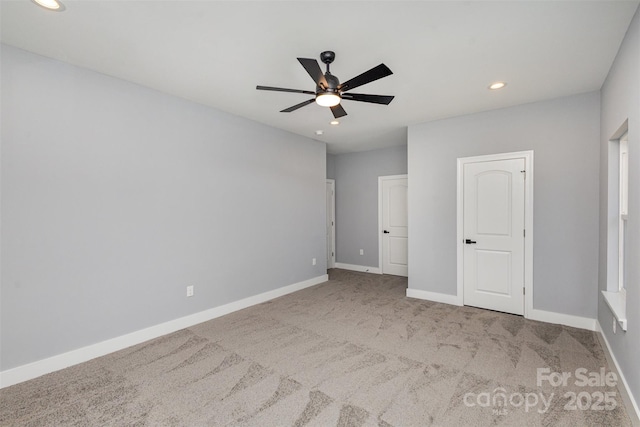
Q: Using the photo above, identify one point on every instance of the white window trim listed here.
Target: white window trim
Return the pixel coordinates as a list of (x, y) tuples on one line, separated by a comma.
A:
[(618, 305), (617, 299), (623, 195)]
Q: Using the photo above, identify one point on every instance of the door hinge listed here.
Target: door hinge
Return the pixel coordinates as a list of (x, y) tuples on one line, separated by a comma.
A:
[(524, 172), (524, 291), (524, 233)]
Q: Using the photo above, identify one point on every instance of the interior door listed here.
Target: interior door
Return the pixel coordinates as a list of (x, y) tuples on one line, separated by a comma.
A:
[(394, 226), (331, 213), (494, 235)]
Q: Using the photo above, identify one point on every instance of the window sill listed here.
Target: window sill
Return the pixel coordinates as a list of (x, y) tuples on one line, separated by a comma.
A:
[(617, 302)]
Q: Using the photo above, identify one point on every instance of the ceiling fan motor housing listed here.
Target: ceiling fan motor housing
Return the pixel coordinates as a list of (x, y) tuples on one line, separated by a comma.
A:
[(332, 84)]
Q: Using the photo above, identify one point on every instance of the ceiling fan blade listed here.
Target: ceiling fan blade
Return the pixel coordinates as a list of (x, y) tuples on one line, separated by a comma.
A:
[(362, 97), (367, 77), (312, 67), (338, 111), (281, 89), (295, 107)]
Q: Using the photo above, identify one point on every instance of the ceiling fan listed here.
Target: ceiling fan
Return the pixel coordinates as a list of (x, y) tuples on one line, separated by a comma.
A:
[(329, 91)]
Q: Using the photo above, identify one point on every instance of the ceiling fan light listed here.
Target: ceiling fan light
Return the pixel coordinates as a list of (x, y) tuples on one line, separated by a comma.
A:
[(50, 5), (328, 99)]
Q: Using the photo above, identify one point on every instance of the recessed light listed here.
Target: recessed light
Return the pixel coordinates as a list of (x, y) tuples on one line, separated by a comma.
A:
[(497, 85), (334, 122), (319, 132), (54, 5)]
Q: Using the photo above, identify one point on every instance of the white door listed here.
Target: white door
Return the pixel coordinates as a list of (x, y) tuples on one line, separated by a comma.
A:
[(493, 234), (331, 223), (394, 225)]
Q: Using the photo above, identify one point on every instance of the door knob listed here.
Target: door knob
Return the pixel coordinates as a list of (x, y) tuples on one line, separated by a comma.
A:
[(385, 232), (470, 242)]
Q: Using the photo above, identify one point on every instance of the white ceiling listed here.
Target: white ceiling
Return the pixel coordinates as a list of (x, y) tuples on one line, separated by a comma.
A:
[(443, 54)]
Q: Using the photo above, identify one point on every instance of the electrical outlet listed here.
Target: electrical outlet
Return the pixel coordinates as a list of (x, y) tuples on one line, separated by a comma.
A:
[(614, 325), (190, 290), (361, 251), (313, 261)]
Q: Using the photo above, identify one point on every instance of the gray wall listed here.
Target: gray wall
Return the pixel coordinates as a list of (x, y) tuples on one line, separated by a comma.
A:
[(564, 136), (331, 166), (356, 176), (116, 197), (621, 101)]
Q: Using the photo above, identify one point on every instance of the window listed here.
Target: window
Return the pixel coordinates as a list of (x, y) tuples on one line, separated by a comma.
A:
[(623, 197), (616, 294)]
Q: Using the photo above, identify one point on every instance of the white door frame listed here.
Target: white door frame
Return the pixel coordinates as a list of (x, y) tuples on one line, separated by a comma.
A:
[(332, 259), (528, 222), (380, 227)]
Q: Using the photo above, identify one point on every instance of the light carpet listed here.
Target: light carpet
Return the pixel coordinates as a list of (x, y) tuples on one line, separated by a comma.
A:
[(353, 351)]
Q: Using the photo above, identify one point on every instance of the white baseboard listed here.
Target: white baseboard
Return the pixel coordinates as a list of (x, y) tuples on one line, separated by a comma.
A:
[(361, 268), (562, 319), (629, 399), (64, 360), (540, 315), (434, 296)]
